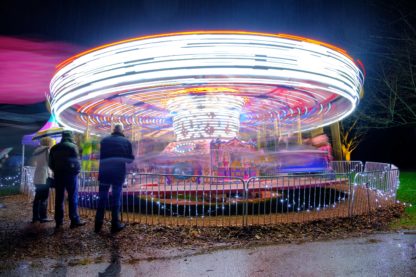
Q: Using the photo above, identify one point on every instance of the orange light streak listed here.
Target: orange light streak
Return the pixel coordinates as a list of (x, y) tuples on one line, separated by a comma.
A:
[(226, 32)]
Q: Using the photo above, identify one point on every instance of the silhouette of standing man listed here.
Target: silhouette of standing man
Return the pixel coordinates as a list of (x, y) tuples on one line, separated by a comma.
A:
[(115, 152), (65, 164)]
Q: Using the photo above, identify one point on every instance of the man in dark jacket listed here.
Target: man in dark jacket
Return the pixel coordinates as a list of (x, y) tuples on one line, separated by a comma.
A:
[(64, 162), (115, 152)]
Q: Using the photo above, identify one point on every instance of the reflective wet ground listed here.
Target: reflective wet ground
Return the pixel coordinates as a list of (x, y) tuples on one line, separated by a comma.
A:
[(377, 255)]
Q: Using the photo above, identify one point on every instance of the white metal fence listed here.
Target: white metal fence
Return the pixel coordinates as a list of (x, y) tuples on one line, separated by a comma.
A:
[(347, 166), (349, 188)]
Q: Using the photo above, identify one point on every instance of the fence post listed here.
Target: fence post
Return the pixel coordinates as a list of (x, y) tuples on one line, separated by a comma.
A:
[(245, 202), (351, 182), (246, 195)]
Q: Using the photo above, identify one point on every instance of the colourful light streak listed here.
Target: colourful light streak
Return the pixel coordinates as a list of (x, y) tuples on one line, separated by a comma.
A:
[(26, 67), (274, 76)]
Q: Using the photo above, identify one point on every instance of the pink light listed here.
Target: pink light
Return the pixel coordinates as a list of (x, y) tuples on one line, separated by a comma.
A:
[(26, 67)]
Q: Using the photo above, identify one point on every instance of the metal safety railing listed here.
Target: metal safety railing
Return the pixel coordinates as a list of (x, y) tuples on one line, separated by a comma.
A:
[(346, 166), (380, 188), (26, 184), (174, 199), (296, 198), (346, 189), (375, 166)]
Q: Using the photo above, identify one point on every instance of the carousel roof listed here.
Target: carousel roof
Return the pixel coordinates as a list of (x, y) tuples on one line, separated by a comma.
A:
[(207, 84)]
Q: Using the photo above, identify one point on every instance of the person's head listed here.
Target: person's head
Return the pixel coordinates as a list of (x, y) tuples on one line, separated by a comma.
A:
[(67, 135), (47, 141), (118, 128)]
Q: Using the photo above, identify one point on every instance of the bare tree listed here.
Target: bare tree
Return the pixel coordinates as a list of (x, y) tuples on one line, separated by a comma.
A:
[(391, 97), (352, 135)]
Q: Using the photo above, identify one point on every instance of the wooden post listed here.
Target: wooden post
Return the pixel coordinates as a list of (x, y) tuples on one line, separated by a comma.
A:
[(336, 141), (276, 134), (317, 131), (259, 138), (299, 131)]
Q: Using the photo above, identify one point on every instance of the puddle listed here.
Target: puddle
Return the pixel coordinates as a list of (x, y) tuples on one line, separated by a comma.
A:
[(374, 241)]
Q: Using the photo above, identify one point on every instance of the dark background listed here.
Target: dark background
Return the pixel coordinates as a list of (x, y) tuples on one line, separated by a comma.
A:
[(347, 24)]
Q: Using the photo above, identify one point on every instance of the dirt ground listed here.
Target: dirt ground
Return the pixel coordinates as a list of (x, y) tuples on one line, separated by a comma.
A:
[(22, 240)]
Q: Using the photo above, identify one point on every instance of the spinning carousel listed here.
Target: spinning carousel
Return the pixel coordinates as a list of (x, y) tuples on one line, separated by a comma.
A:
[(187, 90), (209, 102)]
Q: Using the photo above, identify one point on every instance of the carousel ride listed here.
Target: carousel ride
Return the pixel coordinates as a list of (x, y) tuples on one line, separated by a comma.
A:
[(210, 103)]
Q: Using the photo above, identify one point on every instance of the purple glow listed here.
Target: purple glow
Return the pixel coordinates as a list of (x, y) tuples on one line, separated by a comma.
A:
[(26, 67)]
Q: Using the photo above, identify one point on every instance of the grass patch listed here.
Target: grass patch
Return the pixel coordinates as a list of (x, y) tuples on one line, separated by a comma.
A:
[(407, 193), (9, 190)]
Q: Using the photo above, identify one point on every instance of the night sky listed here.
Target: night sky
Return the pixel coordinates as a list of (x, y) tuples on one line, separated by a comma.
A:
[(85, 24), (90, 23)]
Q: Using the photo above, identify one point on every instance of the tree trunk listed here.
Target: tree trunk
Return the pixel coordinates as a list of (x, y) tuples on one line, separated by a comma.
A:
[(347, 155)]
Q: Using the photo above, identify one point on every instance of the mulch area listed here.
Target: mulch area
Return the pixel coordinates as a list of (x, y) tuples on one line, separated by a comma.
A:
[(22, 240)]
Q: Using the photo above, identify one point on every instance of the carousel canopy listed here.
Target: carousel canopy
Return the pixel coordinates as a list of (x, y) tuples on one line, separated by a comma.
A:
[(207, 84)]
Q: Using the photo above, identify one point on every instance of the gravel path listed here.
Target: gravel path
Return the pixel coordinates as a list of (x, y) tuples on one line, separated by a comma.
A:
[(36, 244)]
